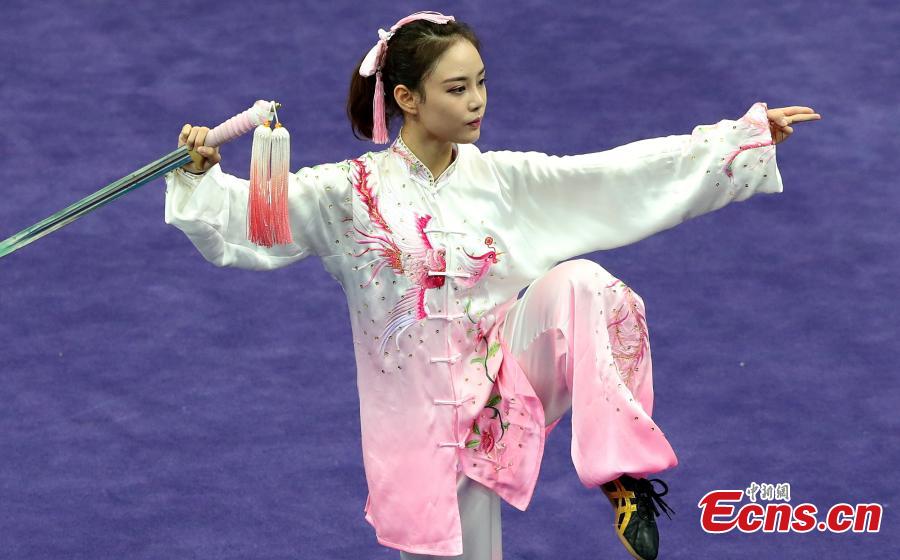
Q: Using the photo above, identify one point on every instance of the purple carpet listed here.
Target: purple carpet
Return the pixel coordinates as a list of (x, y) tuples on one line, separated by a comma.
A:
[(155, 406)]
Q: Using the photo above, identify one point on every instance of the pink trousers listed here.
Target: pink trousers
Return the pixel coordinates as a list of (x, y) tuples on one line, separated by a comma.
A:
[(580, 336)]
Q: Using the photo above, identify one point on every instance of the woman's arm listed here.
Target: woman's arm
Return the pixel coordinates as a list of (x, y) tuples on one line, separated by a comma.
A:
[(572, 205), (211, 209)]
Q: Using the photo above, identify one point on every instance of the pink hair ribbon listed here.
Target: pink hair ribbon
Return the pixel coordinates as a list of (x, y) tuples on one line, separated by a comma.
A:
[(373, 62)]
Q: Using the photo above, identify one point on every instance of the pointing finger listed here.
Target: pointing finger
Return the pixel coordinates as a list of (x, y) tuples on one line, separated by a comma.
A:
[(796, 110), (785, 122)]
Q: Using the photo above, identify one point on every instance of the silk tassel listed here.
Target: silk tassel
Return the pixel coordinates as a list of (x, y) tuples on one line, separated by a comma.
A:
[(281, 162), (379, 125)]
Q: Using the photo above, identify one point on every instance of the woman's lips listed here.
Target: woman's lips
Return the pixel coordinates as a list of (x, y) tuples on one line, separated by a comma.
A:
[(475, 124)]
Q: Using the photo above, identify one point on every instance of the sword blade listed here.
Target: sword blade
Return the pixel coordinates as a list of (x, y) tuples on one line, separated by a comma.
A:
[(107, 194)]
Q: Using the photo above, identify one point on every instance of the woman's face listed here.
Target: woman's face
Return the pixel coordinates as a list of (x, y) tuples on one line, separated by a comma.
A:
[(455, 95)]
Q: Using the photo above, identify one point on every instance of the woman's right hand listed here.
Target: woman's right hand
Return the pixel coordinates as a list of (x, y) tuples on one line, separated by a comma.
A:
[(203, 157)]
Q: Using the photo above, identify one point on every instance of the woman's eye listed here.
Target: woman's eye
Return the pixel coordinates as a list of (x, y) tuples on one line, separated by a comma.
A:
[(462, 89)]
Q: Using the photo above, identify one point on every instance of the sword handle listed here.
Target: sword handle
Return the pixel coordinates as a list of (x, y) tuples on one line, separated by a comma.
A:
[(242, 123)]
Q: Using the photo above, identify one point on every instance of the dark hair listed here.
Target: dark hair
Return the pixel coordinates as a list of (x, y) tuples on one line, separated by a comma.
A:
[(412, 53)]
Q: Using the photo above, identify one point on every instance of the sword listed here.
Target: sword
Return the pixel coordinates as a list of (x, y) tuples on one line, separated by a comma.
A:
[(237, 125)]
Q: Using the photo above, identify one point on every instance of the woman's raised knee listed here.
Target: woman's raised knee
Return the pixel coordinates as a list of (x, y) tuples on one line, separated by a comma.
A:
[(586, 271)]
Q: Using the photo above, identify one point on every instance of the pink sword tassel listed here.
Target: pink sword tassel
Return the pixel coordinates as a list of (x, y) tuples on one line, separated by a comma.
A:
[(268, 221)]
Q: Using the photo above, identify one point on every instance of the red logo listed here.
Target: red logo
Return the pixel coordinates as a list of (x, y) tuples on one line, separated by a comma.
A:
[(720, 512)]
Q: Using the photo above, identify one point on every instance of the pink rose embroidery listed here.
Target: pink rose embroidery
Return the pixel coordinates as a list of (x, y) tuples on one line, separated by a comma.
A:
[(481, 328), (487, 441)]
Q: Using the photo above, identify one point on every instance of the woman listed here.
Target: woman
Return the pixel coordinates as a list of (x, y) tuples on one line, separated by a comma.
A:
[(432, 240)]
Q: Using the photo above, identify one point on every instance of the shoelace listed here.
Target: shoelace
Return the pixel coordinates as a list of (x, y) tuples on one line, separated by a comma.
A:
[(646, 494)]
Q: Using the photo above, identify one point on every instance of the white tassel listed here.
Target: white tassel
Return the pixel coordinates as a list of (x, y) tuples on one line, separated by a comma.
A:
[(259, 228), (281, 163)]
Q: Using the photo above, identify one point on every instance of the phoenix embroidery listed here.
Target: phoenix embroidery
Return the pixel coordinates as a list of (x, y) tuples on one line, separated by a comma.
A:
[(406, 249)]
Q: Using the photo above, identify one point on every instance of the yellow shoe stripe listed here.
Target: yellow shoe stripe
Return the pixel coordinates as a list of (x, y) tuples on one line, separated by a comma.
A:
[(623, 502)]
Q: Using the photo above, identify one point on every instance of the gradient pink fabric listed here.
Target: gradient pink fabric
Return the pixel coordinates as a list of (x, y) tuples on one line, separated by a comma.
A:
[(579, 336), (576, 340), (431, 268)]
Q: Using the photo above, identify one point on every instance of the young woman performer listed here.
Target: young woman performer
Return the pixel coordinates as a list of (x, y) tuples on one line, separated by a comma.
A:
[(432, 240)]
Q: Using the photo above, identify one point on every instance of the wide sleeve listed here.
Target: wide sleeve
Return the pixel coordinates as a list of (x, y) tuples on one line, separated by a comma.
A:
[(211, 209), (571, 205)]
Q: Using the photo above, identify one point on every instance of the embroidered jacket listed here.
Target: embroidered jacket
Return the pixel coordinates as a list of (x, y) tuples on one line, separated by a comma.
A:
[(430, 267)]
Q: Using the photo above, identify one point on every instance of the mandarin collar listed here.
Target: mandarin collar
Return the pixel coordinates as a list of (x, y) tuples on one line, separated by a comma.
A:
[(418, 170)]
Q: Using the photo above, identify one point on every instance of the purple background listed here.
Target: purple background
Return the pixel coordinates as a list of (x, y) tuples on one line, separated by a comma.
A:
[(155, 406)]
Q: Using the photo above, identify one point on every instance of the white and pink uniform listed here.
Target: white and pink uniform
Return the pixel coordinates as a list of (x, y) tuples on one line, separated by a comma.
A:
[(456, 376)]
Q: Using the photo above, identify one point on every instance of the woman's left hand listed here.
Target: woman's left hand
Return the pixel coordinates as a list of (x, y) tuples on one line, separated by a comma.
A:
[(781, 119)]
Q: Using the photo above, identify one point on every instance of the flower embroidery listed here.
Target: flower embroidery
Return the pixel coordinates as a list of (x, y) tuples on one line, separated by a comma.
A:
[(487, 443), (482, 326)]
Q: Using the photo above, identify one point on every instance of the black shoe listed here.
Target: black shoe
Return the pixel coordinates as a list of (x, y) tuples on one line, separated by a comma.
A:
[(635, 503)]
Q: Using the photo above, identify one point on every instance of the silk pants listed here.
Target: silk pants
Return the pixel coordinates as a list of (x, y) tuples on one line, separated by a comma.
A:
[(580, 336)]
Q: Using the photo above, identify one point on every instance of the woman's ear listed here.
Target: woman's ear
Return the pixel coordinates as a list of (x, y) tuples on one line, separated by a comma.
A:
[(406, 99)]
